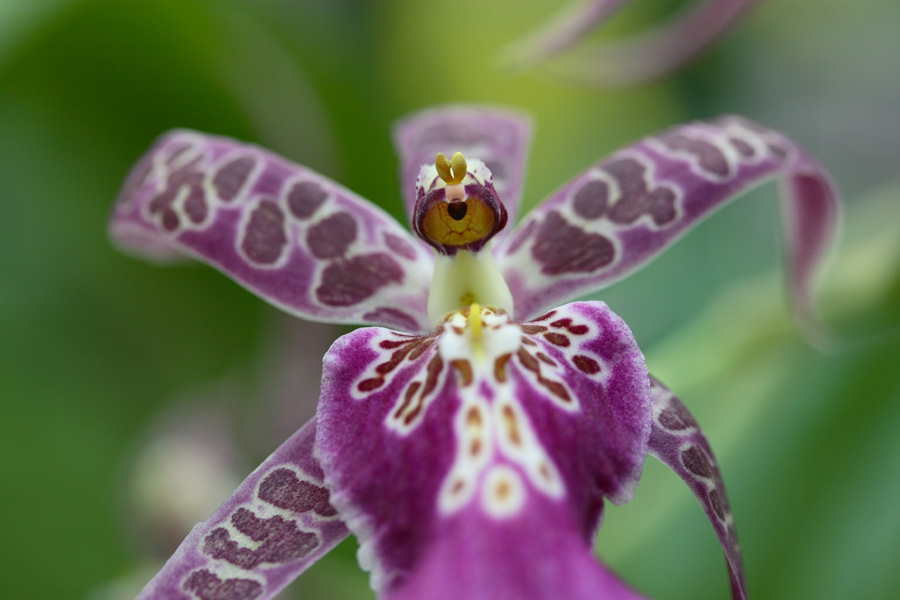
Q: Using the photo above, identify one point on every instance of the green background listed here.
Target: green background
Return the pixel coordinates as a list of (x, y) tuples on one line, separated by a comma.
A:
[(95, 346)]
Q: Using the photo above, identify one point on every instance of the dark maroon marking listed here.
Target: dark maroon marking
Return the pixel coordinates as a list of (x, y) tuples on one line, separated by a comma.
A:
[(285, 490), (544, 316), (675, 417), (521, 236), (367, 385), (636, 199), (284, 542), (566, 324), (170, 220), (591, 200), (195, 204), (586, 364), (457, 209), (264, 237), (393, 317), (741, 146), (543, 357), (229, 180), (349, 282), (697, 462), (557, 339), (562, 248), (331, 237), (408, 396), (715, 500), (305, 198), (709, 157), (532, 329), (400, 246), (207, 586)]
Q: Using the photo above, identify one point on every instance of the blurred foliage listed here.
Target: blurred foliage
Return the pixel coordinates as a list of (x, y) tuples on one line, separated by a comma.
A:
[(95, 344)]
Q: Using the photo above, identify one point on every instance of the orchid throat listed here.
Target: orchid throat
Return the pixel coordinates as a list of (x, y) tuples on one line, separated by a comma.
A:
[(457, 213)]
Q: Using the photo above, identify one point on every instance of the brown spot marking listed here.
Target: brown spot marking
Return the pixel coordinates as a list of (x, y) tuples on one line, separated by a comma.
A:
[(457, 486), (532, 364), (675, 417), (205, 585), (473, 418), (586, 364), (195, 204), (697, 462), (500, 367), (636, 198), (349, 282), (564, 248), (170, 220), (532, 329), (512, 425), (528, 341), (331, 237), (232, 176), (544, 316), (557, 339), (264, 237), (305, 198), (544, 470), (502, 490), (373, 383), (743, 148), (475, 448), (465, 370), (408, 397), (709, 157), (591, 199), (284, 542), (543, 357)]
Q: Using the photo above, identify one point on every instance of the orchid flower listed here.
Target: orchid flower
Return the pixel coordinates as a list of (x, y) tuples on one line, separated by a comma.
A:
[(469, 439), (632, 60)]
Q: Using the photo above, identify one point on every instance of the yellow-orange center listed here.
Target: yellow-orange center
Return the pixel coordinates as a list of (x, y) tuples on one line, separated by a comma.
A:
[(442, 227)]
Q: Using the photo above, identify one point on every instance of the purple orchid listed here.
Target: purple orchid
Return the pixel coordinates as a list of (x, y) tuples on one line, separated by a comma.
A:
[(470, 451), (633, 60)]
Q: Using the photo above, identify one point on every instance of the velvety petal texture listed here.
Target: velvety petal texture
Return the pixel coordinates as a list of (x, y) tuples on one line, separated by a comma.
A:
[(275, 525), (499, 138), (625, 210), (472, 463), (288, 234), (677, 441)]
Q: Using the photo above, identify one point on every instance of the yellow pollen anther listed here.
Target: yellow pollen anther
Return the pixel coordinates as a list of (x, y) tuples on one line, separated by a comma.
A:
[(451, 171)]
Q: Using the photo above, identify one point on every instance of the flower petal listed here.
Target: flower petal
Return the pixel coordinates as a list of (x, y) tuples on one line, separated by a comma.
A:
[(645, 56), (275, 525), (462, 456), (677, 441), (560, 33), (624, 211), (286, 233), (500, 138)]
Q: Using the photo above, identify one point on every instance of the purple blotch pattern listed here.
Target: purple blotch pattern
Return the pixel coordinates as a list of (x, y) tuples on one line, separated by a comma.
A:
[(274, 526), (629, 208), (677, 441), (288, 234)]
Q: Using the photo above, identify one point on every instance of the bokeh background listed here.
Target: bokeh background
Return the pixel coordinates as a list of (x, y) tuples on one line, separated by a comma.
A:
[(126, 387)]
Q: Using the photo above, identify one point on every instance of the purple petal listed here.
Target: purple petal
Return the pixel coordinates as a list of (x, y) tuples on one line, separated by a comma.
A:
[(661, 50), (562, 32), (452, 459), (677, 441), (286, 233), (499, 138), (625, 210), (275, 525)]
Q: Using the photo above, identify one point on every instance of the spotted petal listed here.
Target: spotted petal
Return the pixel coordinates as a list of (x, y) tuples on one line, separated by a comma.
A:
[(275, 525), (499, 138), (631, 60), (286, 233), (625, 210), (677, 441), (474, 465)]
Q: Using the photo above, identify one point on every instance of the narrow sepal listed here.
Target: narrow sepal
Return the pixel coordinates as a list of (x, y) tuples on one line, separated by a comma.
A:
[(560, 32), (273, 527), (642, 57), (288, 234), (514, 430), (499, 138), (678, 442), (625, 210)]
